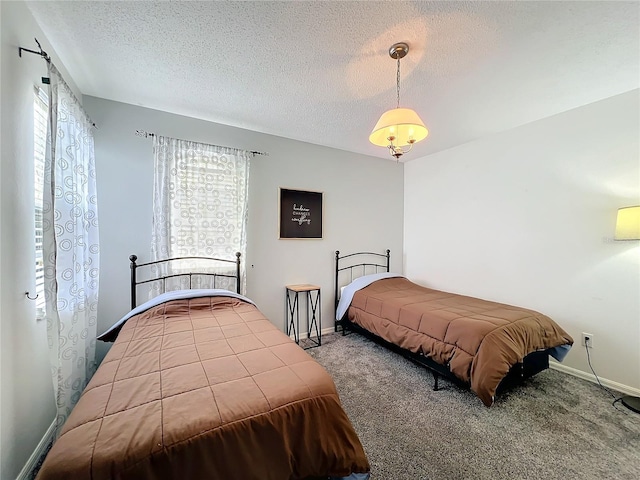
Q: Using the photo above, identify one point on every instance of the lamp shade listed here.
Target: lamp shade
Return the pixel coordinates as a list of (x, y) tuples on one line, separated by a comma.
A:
[(402, 123), (628, 223)]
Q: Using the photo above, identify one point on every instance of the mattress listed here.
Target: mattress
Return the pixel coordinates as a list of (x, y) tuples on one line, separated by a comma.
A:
[(206, 387)]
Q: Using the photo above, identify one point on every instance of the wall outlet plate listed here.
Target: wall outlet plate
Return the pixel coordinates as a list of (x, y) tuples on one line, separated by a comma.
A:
[(587, 340)]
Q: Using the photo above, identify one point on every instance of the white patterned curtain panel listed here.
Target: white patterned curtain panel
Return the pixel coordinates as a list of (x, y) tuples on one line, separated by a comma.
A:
[(70, 245), (200, 198)]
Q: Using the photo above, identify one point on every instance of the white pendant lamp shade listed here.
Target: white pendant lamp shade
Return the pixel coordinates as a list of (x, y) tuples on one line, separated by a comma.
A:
[(400, 126)]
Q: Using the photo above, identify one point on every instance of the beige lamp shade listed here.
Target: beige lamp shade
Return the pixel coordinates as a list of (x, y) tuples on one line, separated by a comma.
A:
[(402, 123), (628, 223)]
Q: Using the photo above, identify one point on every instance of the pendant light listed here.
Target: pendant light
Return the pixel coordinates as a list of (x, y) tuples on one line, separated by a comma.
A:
[(399, 128)]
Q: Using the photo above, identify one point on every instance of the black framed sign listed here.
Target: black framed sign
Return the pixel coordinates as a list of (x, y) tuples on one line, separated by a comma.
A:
[(300, 214)]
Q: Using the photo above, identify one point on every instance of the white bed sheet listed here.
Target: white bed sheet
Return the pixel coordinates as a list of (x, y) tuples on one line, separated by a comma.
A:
[(174, 295)]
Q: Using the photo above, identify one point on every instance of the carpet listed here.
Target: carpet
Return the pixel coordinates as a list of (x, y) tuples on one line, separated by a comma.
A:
[(553, 426)]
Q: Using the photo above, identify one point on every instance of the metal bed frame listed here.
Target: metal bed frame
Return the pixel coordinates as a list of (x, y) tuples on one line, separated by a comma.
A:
[(135, 282), (532, 364), (364, 266)]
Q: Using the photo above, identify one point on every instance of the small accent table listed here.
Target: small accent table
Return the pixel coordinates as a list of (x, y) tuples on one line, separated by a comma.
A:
[(313, 312)]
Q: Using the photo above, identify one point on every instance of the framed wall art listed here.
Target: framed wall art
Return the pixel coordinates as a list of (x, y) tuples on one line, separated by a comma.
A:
[(300, 214)]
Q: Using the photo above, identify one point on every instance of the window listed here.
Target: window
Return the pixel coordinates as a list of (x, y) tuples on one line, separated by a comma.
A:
[(207, 207), (40, 115)]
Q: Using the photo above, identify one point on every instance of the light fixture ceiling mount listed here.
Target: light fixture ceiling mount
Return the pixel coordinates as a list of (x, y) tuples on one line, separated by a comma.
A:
[(399, 128), (398, 50)]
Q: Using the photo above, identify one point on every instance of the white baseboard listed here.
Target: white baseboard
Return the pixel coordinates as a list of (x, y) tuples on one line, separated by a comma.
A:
[(25, 473), (591, 378), (304, 335)]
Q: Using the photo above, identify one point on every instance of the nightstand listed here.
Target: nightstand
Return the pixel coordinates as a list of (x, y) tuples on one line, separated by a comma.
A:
[(314, 321)]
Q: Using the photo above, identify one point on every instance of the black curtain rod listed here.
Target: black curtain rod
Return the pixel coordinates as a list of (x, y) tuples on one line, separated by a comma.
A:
[(47, 80), (42, 53), (145, 134)]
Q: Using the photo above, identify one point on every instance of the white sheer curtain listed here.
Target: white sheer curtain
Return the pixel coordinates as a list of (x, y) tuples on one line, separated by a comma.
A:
[(199, 207), (70, 245)]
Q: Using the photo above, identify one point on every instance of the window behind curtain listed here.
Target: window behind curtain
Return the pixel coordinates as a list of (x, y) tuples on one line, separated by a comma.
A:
[(206, 206), (40, 114)]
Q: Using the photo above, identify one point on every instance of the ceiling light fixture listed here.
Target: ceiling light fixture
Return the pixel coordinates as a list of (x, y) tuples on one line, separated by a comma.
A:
[(399, 128)]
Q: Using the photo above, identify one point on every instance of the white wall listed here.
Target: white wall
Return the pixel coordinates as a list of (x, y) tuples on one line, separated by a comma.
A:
[(27, 406), (527, 217), (362, 205)]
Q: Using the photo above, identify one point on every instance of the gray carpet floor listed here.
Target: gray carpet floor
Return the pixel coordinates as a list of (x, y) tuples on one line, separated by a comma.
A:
[(554, 426)]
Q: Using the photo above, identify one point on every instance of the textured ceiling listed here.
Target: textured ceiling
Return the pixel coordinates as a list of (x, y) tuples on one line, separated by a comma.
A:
[(320, 72)]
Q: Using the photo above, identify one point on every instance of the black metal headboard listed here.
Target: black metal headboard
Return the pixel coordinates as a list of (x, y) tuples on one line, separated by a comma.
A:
[(363, 263), (135, 266)]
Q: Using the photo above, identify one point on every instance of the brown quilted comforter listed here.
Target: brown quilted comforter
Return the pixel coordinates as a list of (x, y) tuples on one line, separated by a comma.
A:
[(478, 340), (206, 388)]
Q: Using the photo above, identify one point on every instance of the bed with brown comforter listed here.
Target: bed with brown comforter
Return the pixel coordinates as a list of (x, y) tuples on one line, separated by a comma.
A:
[(201, 388), (478, 340)]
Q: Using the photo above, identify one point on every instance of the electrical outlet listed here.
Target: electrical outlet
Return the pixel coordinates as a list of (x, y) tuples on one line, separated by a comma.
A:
[(587, 340)]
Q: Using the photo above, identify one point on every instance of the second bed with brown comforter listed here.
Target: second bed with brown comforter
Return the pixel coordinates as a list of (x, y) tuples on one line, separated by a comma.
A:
[(478, 340), (206, 387)]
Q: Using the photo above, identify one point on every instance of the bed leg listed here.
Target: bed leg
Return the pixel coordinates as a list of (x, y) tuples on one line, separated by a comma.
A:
[(435, 380)]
